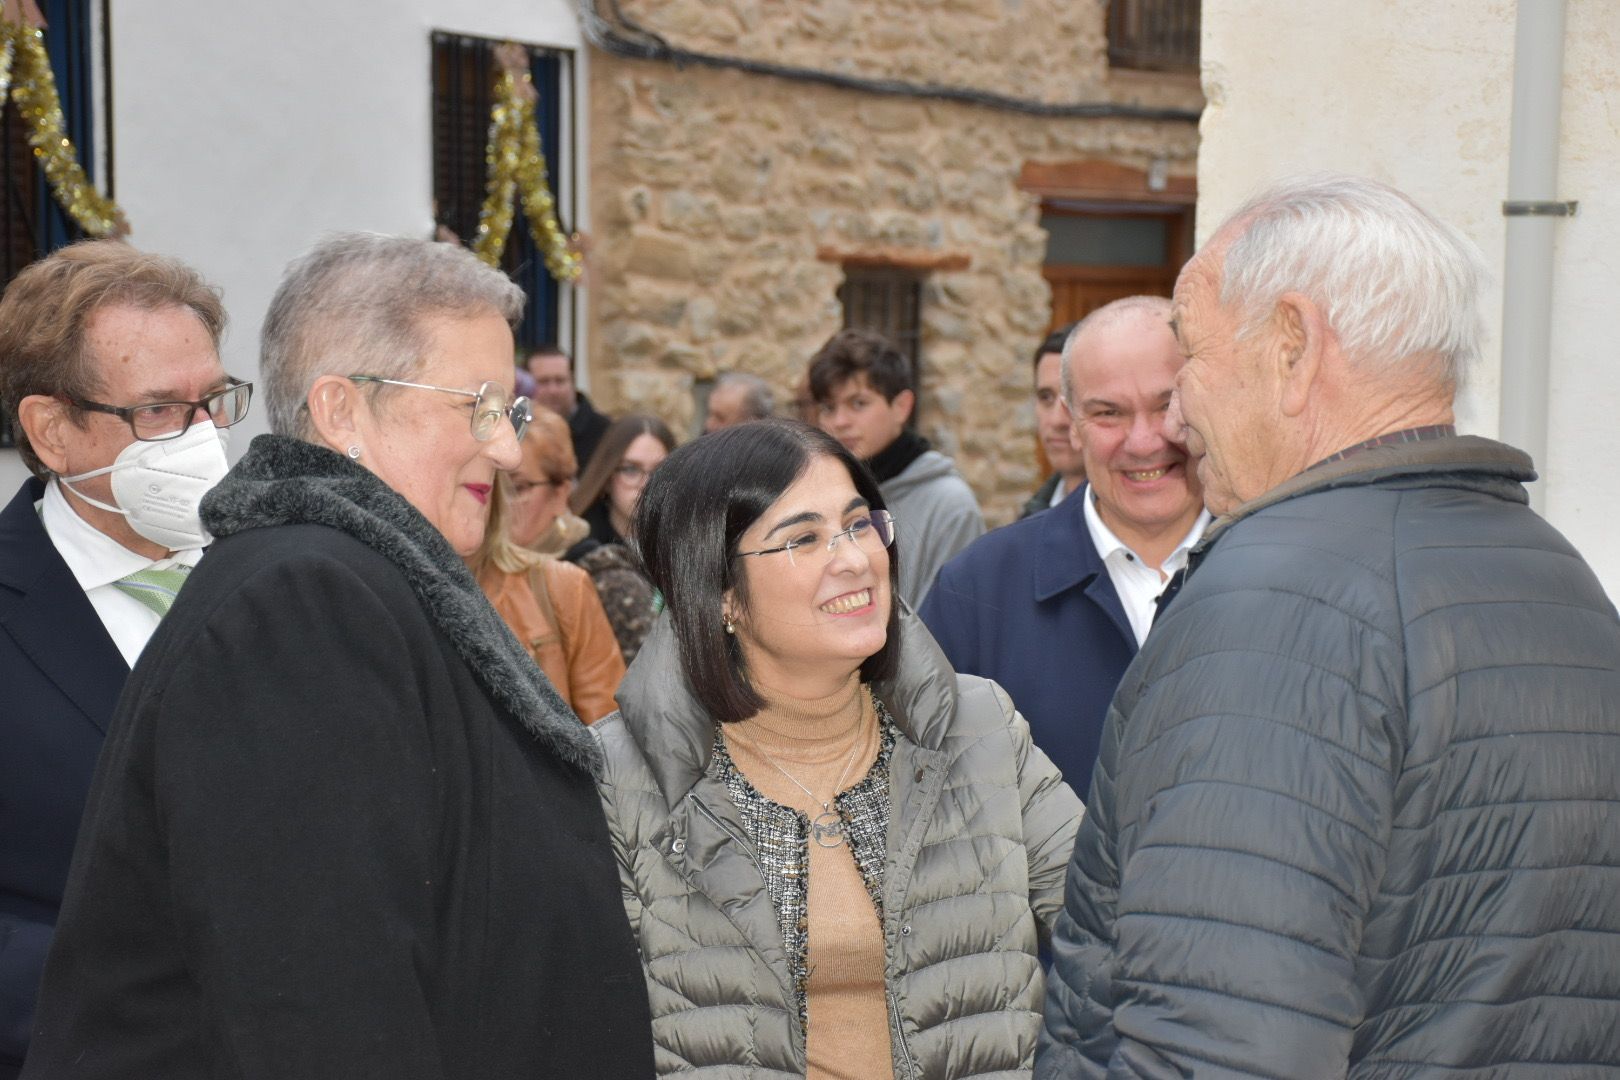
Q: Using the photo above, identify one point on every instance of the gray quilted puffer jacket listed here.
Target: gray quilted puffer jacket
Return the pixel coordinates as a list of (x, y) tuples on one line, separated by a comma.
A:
[(980, 831), (1357, 811)]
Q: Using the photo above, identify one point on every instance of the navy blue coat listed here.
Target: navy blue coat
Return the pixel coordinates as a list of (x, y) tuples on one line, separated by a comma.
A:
[(60, 676), (1031, 606)]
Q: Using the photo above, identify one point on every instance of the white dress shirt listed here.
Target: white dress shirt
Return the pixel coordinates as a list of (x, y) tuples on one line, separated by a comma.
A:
[(1137, 583), (97, 562)]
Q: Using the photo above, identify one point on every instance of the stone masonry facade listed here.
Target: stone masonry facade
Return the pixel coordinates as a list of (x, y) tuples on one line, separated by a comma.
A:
[(726, 202)]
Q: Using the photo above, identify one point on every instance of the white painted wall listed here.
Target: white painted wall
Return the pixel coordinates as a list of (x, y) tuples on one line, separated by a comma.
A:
[(245, 131), (1420, 96)]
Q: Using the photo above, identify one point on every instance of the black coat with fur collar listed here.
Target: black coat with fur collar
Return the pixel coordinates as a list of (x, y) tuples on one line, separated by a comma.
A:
[(342, 827)]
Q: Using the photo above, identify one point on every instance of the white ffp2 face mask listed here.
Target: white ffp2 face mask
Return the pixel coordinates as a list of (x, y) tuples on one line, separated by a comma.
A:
[(159, 485)]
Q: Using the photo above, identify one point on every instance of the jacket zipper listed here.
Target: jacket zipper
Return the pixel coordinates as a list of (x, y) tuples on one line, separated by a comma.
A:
[(899, 1036)]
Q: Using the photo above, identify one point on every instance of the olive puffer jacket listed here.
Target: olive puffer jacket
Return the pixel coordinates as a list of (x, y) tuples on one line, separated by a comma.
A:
[(980, 830), (1356, 809)]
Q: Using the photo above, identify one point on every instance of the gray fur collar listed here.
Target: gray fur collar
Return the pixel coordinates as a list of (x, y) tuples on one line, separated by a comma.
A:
[(284, 481)]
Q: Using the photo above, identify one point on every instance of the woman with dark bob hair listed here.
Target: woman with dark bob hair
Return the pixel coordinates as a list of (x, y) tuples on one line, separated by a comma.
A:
[(838, 856)]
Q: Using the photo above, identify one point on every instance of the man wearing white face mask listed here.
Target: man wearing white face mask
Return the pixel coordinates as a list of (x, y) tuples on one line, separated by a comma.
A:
[(110, 371)]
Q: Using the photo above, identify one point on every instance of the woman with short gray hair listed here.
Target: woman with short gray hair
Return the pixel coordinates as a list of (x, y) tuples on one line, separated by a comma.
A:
[(343, 827)]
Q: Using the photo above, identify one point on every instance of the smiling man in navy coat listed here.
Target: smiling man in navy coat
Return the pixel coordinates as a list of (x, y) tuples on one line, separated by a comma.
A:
[(1054, 607), (108, 357)]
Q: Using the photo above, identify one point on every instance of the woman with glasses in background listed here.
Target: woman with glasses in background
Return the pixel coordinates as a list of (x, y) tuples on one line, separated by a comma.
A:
[(838, 856), (550, 605), (631, 448), (342, 826)]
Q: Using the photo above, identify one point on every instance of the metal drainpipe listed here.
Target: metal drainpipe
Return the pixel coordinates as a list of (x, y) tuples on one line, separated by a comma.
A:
[(1532, 210)]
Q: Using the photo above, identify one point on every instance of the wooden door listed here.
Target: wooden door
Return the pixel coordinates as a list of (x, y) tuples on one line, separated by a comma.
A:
[(1139, 254), (1077, 291)]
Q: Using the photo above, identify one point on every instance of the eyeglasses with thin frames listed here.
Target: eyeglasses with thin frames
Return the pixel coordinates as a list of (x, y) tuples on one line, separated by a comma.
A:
[(631, 473), (489, 404), (871, 533), (164, 420)]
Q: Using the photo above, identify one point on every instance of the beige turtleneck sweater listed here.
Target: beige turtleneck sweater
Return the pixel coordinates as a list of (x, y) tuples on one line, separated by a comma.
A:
[(828, 746)]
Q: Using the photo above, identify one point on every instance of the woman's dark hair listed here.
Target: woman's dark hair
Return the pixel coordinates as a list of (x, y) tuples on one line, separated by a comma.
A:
[(690, 519), (593, 482)]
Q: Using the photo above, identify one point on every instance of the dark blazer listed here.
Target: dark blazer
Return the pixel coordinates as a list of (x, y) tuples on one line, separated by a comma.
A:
[(318, 847), (60, 675), (1032, 607)]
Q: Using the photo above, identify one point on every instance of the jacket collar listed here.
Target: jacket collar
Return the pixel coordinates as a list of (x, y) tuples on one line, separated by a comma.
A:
[(676, 734), (1459, 461), (285, 481), (21, 535), (49, 617), (1067, 556)]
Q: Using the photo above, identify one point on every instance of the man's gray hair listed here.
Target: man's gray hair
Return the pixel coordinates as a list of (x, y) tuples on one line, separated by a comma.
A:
[(355, 304), (1141, 307), (1396, 284), (758, 399)]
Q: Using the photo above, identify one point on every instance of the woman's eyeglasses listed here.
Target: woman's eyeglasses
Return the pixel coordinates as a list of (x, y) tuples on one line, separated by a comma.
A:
[(631, 473), (871, 534), (490, 402)]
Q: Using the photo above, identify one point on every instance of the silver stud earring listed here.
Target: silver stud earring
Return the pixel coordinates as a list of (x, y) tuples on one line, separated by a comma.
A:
[(730, 627), (354, 453)]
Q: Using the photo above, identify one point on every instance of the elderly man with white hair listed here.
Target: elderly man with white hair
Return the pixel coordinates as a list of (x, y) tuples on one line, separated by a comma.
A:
[(1355, 809)]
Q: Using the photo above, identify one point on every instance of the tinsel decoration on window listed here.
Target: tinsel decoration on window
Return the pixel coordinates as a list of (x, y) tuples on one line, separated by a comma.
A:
[(22, 54), (517, 168)]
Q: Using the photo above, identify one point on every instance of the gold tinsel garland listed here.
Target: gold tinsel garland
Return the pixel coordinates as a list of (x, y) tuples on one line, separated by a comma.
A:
[(517, 165), (34, 91)]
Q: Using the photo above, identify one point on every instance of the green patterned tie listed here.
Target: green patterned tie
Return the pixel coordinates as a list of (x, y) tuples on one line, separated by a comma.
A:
[(155, 588)]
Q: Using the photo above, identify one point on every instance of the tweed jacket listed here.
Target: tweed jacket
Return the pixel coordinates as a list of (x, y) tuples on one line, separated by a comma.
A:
[(980, 827), (1355, 812)]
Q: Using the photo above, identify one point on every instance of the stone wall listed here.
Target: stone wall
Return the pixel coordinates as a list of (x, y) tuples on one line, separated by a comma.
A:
[(725, 202)]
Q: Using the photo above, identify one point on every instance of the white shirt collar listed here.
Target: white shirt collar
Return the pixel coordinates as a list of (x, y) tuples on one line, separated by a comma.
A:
[(1059, 493), (95, 558), (1109, 544)]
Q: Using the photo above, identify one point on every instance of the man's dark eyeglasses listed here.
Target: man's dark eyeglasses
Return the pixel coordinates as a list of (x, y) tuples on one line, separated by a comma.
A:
[(163, 420)]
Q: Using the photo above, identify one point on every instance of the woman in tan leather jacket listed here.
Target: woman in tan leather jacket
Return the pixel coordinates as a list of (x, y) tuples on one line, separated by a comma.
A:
[(551, 606)]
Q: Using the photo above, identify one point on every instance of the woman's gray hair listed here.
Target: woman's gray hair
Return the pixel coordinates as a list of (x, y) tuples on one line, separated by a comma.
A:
[(1396, 284), (354, 304)]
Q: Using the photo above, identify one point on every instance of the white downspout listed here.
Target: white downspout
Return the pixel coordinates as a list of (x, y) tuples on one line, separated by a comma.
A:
[(1532, 212)]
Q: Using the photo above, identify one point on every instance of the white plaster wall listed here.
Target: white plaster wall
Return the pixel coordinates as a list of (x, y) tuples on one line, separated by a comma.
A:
[(245, 131), (1420, 96), (242, 132)]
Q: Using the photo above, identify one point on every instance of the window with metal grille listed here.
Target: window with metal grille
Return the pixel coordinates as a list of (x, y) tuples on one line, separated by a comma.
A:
[(464, 74), (1153, 35), (32, 223), (886, 300)]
